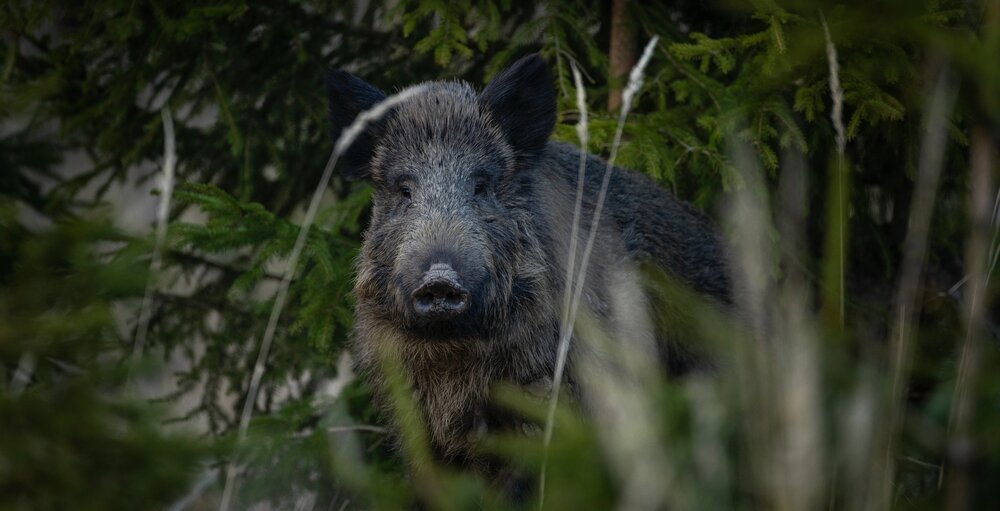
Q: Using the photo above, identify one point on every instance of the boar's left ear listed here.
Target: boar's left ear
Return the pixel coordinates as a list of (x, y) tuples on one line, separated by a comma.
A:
[(348, 96), (522, 101)]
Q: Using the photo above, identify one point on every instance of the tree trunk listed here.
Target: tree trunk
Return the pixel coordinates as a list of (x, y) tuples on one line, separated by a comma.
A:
[(623, 51)]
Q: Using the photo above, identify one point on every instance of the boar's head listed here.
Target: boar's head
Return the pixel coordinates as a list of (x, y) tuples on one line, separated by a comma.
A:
[(452, 251)]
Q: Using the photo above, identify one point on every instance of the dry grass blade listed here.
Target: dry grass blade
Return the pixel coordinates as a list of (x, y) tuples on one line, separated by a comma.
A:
[(837, 118), (577, 284), (634, 84), (836, 91), (584, 135), (162, 214)]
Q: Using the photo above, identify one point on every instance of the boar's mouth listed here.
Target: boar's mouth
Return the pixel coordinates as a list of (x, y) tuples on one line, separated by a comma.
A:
[(459, 327)]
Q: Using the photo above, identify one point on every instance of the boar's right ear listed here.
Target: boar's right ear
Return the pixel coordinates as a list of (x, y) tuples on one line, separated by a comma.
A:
[(522, 101), (348, 96)]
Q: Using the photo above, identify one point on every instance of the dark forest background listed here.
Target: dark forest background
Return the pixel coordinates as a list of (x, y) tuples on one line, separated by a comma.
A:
[(875, 383)]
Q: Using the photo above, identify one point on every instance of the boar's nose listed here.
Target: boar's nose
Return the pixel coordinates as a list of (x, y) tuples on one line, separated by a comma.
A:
[(440, 295)]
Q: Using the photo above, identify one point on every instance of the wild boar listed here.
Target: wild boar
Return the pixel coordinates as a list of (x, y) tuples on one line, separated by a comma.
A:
[(462, 270)]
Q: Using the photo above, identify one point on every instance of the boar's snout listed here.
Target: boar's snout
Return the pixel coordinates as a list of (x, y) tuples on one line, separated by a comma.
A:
[(440, 295)]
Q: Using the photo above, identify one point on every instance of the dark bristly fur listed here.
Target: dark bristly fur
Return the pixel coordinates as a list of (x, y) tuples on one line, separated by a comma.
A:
[(473, 181)]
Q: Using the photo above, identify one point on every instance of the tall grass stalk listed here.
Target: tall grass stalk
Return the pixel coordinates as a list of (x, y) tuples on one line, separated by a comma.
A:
[(932, 149), (584, 135), (162, 217), (635, 83), (837, 118), (797, 355), (577, 284), (979, 250), (777, 366), (345, 140), (621, 368)]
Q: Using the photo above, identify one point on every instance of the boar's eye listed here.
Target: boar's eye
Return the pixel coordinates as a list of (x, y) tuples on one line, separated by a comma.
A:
[(402, 184), (480, 188)]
